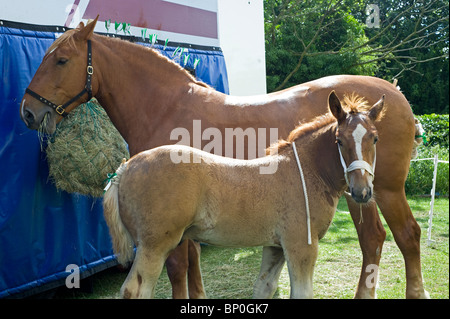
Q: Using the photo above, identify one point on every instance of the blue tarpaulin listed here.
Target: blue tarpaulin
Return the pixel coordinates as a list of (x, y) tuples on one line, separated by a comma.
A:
[(43, 230)]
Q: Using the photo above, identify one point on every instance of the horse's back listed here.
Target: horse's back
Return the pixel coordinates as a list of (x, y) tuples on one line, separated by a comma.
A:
[(368, 87), (304, 102)]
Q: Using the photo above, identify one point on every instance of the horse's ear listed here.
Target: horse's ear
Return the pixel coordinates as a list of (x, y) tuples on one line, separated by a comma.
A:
[(85, 33), (335, 107), (80, 25), (376, 112)]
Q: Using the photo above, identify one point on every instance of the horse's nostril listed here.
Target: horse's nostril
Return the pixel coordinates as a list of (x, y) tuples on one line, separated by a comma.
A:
[(362, 197), (29, 117)]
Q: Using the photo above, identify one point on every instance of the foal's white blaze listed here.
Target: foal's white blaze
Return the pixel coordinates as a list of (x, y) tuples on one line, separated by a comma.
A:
[(358, 135)]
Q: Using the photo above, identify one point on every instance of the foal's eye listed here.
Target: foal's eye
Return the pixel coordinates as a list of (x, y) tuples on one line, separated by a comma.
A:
[(62, 61), (339, 142), (375, 140)]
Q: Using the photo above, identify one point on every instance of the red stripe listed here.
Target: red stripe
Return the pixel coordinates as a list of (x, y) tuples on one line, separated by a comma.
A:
[(156, 14)]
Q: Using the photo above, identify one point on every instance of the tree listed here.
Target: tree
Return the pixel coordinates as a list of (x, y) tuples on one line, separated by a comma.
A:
[(304, 37), (421, 65), (309, 39)]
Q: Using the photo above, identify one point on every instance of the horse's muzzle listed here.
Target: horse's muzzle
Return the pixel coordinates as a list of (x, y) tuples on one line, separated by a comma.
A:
[(361, 196)]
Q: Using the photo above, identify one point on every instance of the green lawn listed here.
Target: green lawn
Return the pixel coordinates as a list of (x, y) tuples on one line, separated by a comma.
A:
[(230, 272)]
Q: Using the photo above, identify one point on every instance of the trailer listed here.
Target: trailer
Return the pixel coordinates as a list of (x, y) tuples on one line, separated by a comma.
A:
[(46, 235)]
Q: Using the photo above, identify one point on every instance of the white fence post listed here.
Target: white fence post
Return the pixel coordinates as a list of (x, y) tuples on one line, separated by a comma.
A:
[(433, 190)]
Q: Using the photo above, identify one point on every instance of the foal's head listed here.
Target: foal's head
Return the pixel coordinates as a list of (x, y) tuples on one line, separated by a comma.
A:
[(356, 137), (60, 77)]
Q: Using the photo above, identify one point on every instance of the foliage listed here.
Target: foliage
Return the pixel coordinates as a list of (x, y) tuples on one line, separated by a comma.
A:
[(436, 129), (422, 69), (324, 39), (420, 177), (309, 39)]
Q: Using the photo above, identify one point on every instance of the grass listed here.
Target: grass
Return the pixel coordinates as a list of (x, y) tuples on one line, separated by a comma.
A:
[(230, 272)]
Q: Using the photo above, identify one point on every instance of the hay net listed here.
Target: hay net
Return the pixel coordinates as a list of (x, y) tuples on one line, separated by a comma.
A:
[(84, 149)]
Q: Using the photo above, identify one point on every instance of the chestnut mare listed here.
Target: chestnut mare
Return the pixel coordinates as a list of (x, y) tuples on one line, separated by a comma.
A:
[(146, 96), (155, 202)]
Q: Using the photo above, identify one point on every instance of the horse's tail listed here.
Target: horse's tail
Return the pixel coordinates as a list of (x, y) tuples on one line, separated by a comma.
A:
[(418, 137), (419, 133), (123, 244)]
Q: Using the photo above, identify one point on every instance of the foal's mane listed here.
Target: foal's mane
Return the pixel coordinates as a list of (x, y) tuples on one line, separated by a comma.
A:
[(352, 104)]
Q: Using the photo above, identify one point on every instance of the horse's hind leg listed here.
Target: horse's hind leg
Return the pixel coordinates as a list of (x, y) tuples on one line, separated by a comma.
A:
[(371, 236), (177, 269), (141, 280), (271, 266), (406, 231), (195, 282)]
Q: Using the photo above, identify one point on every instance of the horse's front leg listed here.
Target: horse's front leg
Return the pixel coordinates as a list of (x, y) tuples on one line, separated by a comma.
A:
[(177, 268), (371, 236), (301, 260)]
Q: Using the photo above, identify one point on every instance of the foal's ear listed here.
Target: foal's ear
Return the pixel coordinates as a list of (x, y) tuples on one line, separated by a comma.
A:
[(85, 33), (376, 112), (335, 107)]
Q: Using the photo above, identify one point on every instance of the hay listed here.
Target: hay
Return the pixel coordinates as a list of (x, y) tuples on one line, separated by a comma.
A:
[(84, 149)]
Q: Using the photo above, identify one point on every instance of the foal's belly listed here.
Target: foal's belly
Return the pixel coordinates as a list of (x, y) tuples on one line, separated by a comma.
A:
[(227, 237)]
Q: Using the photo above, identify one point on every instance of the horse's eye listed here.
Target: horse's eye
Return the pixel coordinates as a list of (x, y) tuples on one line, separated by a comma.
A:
[(375, 140), (339, 142), (62, 61)]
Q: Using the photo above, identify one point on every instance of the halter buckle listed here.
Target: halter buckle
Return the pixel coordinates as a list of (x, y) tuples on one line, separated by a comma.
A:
[(60, 110), (90, 69)]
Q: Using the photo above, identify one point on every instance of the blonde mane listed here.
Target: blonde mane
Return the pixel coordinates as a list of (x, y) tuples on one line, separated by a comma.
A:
[(351, 104), (65, 38)]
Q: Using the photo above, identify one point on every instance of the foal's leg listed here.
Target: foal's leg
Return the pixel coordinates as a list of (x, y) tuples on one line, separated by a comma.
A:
[(271, 266), (195, 282), (371, 236), (301, 259), (406, 231), (141, 280), (177, 268)]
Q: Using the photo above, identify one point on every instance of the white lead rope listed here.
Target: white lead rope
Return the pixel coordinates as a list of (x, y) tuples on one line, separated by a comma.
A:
[(305, 193), (363, 165)]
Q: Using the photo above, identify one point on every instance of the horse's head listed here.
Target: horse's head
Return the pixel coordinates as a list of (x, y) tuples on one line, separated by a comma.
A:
[(356, 137), (62, 81)]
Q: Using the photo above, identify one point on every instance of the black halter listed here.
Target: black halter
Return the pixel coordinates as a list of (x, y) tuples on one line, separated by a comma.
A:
[(61, 109)]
